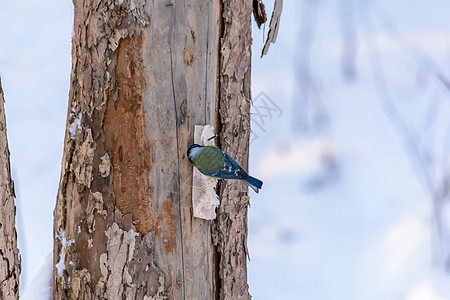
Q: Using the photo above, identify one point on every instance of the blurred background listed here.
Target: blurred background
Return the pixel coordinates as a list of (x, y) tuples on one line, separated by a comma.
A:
[(351, 136)]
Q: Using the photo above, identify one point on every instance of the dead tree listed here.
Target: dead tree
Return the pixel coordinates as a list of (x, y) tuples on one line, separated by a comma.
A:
[(9, 253), (143, 74)]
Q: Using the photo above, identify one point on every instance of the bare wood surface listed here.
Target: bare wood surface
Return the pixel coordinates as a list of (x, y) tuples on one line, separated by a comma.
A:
[(9, 253)]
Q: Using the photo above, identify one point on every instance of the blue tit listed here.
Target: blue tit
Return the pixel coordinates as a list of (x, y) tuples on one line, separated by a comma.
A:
[(213, 162)]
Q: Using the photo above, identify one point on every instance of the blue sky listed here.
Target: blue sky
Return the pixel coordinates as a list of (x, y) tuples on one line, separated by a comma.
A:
[(344, 212)]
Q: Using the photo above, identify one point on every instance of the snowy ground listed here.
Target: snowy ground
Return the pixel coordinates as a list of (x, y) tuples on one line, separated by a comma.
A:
[(344, 212)]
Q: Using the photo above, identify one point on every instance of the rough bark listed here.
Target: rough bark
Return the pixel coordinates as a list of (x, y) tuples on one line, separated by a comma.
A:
[(9, 253), (143, 74), (230, 228)]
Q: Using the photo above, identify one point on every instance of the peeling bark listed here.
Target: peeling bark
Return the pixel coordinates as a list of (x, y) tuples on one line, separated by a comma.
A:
[(273, 26), (143, 74), (259, 12), (9, 253)]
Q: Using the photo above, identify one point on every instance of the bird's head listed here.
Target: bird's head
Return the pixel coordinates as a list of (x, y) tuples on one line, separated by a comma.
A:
[(193, 151)]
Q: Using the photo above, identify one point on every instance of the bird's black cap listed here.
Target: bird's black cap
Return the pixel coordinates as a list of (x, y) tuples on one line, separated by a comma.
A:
[(189, 150)]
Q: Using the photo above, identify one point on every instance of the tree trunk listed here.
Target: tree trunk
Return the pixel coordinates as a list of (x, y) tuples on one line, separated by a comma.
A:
[(143, 74), (230, 228), (9, 254)]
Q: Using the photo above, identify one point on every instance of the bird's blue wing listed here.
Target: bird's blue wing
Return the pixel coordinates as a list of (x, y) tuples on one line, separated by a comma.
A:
[(231, 170)]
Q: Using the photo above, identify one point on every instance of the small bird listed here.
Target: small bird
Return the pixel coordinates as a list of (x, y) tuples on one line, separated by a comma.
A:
[(213, 162)]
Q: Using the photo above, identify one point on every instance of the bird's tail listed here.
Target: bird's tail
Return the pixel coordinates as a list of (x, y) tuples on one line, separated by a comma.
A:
[(254, 183)]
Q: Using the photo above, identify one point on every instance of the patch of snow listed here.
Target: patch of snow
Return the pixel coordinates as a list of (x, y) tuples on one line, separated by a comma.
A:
[(401, 243), (75, 124), (424, 290), (65, 244), (40, 288)]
